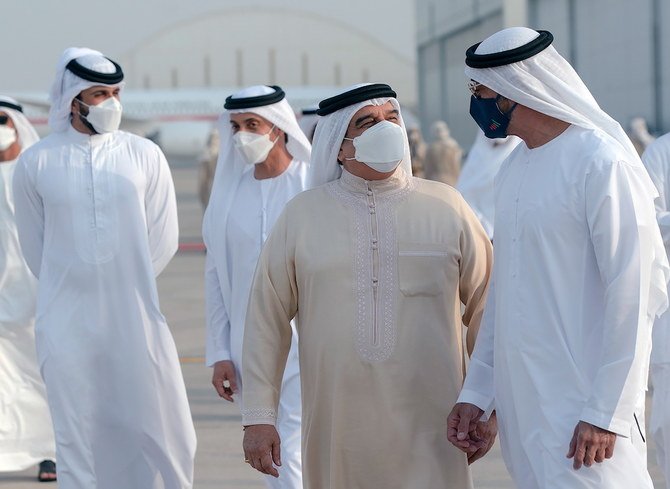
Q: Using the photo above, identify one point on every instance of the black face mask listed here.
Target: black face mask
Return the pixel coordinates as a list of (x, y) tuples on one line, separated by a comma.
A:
[(489, 117)]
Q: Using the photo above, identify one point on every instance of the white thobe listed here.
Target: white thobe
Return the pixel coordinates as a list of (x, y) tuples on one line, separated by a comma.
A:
[(475, 183), (376, 272), (657, 160), (26, 434), (255, 208), (97, 221), (579, 275)]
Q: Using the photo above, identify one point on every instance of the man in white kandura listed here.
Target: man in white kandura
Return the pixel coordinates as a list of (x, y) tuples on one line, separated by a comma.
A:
[(580, 273), (97, 220), (26, 434), (375, 264), (656, 159), (263, 163)]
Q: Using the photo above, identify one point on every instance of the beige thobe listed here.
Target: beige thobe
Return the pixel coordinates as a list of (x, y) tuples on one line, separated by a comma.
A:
[(377, 272)]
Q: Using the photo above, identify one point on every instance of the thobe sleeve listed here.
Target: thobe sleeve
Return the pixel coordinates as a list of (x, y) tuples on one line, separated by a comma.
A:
[(475, 270), (478, 388), (267, 331), (29, 211), (657, 161), (623, 232), (218, 323), (161, 212)]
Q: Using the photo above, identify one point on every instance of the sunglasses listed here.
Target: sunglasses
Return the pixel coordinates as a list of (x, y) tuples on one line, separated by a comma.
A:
[(473, 86), (3, 119)]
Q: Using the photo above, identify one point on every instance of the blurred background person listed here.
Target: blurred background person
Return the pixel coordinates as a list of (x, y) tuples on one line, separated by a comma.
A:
[(443, 157), (478, 175), (417, 151), (639, 134), (657, 161), (26, 434), (207, 167)]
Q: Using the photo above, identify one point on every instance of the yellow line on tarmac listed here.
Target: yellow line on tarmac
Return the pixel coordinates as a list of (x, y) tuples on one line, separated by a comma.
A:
[(191, 360)]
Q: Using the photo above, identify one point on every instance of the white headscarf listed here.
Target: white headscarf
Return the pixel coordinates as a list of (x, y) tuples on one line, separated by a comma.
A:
[(25, 130), (329, 134), (66, 85), (231, 165), (307, 122), (546, 83)]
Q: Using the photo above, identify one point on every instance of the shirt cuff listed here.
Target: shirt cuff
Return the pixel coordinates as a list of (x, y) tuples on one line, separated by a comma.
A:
[(485, 403), (478, 388), (216, 356), (606, 422), (259, 416)]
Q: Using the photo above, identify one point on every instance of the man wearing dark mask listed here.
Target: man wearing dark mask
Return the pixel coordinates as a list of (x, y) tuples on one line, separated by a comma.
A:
[(263, 163), (97, 220), (580, 274), (375, 264)]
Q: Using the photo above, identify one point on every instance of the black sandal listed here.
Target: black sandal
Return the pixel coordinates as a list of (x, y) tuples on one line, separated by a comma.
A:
[(47, 471)]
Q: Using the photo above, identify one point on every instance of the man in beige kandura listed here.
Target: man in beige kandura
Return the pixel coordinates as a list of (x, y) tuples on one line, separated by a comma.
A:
[(375, 265)]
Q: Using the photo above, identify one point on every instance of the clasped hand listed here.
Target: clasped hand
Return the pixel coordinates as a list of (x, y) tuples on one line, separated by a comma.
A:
[(468, 433)]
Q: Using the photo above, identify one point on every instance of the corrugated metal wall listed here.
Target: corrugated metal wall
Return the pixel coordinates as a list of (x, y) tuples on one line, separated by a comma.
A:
[(617, 46)]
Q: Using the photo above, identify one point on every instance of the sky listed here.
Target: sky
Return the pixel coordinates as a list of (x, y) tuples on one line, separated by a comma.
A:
[(40, 30)]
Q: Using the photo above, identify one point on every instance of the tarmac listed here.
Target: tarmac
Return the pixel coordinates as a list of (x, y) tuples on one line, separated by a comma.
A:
[(219, 460)]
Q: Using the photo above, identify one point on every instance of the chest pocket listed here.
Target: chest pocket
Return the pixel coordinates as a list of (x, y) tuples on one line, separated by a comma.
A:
[(422, 269)]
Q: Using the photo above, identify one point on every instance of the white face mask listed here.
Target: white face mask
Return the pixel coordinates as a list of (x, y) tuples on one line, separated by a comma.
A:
[(106, 116), (7, 137), (254, 147), (381, 147)]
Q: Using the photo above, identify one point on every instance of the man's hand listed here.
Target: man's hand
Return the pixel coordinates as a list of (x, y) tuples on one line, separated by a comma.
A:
[(462, 427), (590, 444), (224, 379), (485, 431), (261, 448)]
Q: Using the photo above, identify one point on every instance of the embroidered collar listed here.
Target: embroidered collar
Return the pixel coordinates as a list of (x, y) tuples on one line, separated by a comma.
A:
[(389, 186)]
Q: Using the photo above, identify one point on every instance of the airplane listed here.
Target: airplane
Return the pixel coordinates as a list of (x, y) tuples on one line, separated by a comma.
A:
[(178, 120)]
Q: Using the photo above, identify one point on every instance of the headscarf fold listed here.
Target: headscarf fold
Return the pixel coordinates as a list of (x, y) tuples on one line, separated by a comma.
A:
[(308, 120)]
